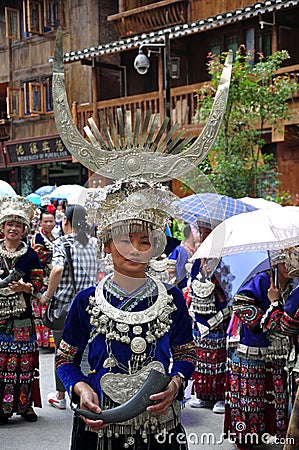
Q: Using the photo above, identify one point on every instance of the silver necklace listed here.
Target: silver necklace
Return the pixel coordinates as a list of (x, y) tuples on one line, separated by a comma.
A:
[(11, 255), (126, 326)]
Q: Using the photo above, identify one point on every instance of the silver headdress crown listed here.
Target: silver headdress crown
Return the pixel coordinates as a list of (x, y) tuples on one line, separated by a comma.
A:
[(292, 261), (130, 206), (278, 256), (17, 208), (135, 150)]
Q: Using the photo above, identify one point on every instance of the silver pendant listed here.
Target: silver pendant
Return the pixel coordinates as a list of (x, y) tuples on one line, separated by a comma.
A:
[(121, 387), (138, 345), (109, 362)]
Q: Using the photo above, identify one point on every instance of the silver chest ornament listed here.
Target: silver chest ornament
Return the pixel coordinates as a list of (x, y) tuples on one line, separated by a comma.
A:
[(138, 329)]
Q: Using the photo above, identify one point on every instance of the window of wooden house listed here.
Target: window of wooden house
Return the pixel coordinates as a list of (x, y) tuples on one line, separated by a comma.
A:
[(50, 14), (231, 42), (12, 21), (14, 102), (32, 10), (48, 95), (36, 98), (263, 41), (215, 46)]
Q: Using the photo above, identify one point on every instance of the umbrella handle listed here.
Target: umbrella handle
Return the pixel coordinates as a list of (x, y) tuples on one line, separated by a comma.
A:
[(272, 271)]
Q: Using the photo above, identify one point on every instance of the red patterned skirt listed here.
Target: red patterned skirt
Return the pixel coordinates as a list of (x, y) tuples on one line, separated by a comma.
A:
[(256, 399), (209, 375), (44, 335), (19, 383)]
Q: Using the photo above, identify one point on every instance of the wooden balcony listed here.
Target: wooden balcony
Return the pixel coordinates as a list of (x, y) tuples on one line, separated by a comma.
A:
[(150, 17), (183, 106)]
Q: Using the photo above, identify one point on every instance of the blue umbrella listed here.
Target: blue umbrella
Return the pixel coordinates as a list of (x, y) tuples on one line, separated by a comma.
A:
[(66, 191), (210, 208), (44, 190), (34, 198)]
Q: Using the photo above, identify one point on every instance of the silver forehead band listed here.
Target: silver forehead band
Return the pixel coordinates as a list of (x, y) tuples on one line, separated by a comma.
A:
[(130, 207)]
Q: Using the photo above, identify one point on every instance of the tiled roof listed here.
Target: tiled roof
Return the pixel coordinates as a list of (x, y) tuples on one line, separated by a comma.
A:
[(181, 30)]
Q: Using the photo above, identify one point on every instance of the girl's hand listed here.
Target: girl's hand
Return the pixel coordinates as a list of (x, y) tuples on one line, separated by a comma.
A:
[(273, 292), (90, 401), (20, 286), (164, 399)]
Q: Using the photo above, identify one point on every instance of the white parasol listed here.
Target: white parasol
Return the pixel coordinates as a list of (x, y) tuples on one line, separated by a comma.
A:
[(259, 203), (264, 229)]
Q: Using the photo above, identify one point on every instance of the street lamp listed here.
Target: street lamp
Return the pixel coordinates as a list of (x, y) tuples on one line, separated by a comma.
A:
[(142, 65)]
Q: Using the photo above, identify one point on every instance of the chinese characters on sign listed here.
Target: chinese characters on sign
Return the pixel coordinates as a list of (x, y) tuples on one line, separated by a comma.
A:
[(36, 151)]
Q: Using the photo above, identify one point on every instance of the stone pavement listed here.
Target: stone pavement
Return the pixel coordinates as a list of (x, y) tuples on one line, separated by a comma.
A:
[(53, 429)]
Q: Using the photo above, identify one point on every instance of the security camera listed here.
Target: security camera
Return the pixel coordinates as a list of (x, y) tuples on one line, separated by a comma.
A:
[(141, 63)]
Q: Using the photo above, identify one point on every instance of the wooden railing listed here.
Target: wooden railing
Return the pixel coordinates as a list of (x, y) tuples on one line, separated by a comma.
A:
[(183, 105), (150, 17)]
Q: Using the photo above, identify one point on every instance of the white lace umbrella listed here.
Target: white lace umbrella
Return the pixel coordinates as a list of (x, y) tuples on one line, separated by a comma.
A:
[(260, 203), (6, 190), (264, 229)]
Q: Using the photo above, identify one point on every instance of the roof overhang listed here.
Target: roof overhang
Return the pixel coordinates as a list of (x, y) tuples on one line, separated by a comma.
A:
[(178, 31)]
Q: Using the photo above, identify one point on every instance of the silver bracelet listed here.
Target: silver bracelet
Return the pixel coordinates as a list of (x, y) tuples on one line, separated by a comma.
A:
[(47, 298), (177, 385)]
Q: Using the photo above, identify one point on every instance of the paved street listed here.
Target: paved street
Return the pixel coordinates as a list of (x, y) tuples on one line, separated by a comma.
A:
[(52, 431)]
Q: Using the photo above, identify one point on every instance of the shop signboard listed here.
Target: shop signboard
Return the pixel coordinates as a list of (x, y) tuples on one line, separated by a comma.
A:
[(36, 151)]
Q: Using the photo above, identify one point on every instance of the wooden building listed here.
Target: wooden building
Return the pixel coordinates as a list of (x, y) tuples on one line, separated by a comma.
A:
[(101, 41)]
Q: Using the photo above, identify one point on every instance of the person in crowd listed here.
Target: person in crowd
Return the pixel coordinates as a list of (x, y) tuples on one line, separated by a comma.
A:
[(179, 259), (257, 397), (42, 243), (209, 308), (283, 319), (21, 276), (132, 323), (59, 215), (85, 269)]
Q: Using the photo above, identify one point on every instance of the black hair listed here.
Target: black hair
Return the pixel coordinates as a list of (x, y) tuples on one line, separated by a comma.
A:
[(44, 211), (76, 215)]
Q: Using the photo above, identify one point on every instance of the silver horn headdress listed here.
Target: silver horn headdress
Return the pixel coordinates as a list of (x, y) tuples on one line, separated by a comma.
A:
[(130, 148)]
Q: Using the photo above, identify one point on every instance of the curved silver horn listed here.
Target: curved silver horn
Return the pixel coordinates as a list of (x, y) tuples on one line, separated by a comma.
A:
[(130, 148), (155, 382)]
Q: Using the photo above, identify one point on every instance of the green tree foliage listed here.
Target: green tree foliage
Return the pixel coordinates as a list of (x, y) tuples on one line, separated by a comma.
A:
[(258, 99)]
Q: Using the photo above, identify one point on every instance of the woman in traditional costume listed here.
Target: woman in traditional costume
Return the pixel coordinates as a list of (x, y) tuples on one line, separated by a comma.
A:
[(42, 243), (21, 276), (133, 323), (257, 397), (209, 308)]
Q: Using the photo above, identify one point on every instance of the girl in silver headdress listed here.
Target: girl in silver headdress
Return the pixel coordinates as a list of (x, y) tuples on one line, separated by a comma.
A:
[(21, 276), (133, 323)]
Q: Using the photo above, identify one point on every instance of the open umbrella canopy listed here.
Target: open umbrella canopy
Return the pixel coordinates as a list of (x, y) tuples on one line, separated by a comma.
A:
[(233, 270), (260, 203), (6, 190), (78, 197), (44, 190), (34, 198), (263, 229), (211, 208), (65, 191)]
